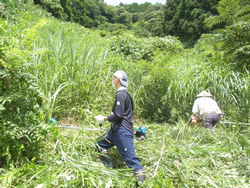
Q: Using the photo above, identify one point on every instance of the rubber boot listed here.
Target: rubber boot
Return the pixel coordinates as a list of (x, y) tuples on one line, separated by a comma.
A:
[(106, 159), (104, 156), (140, 176)]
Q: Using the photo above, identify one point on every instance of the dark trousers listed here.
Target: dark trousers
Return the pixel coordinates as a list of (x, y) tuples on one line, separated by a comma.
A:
[(123, 140), (209, 120)]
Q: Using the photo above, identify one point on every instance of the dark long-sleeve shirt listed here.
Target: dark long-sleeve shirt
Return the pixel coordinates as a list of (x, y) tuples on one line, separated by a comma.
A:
[(122, 111)]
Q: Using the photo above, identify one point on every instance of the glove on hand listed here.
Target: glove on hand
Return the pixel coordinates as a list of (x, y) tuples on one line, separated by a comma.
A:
[(99, 119)]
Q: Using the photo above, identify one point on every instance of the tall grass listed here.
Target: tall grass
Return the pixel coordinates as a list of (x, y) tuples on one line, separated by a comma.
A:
[(81, 63), (171, 84)]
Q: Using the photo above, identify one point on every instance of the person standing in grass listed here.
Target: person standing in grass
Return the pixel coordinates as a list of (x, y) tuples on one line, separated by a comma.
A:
[(207, 109), (121, 132)]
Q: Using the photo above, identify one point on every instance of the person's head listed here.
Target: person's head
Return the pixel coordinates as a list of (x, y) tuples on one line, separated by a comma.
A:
[(120, 79), (204, 94)]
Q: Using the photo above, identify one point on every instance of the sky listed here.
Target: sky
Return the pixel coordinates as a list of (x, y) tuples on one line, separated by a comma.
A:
[(117, 2)]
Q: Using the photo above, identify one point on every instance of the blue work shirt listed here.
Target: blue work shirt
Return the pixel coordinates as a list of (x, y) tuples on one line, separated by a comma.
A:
[(122, 110)]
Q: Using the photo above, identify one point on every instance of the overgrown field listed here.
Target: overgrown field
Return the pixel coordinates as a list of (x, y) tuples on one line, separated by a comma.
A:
[(172, 156), (56, 69)]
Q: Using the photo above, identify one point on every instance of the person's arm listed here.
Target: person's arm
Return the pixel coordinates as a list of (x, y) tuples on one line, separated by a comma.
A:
[(100, 119), (114, 118)]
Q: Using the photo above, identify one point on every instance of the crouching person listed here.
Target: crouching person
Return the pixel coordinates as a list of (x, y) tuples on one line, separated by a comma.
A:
[(121, 132), (207, 109)]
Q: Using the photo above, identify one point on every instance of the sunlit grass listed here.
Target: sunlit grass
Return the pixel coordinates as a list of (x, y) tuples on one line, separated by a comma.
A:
[(172, 155)]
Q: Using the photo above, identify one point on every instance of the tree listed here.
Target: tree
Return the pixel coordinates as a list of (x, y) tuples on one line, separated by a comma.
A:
[(94, 12), (111, 14), (144, 6), (55, 8), (125, 18), (63, 3), (184, 18), (153, 18), (135, 17), (133, 8), (80, 12), (37, 2), (234, 39)]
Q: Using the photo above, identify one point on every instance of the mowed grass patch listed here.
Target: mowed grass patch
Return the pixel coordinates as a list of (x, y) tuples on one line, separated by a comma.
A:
[(192, 157), (172, 156)]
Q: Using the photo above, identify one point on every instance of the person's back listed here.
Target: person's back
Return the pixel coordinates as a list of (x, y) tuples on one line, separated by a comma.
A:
[(207, 109), (205, 105), (122, 110)]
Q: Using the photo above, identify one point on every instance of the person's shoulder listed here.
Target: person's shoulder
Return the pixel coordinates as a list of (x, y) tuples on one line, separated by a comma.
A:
[(211, 99), (198, 99), (123, 91)]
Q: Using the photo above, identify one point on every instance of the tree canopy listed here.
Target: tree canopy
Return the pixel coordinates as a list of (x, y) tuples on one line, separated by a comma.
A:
[(98, 14), (184, 18), (233, 40)]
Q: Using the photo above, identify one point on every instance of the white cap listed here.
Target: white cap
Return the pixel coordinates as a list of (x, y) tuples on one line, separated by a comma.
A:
[(122, 77)]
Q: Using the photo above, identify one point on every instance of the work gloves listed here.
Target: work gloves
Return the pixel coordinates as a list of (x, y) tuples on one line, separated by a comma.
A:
[(99, 119)]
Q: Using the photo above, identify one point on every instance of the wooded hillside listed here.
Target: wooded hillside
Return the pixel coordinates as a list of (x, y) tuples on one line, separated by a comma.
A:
[(183, 19)]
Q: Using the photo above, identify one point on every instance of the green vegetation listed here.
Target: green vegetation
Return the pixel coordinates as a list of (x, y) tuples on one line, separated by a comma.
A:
[(51, 68), (144, 20), (233, 41), (184, 18)]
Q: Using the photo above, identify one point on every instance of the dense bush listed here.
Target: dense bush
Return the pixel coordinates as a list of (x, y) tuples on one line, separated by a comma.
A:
[(112, 27), (141, 48), (21, 130)]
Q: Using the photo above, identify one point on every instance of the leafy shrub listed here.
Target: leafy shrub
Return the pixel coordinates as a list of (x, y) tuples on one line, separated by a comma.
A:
[(112, 27), (141, 48), (103, 33), (21, 131), (20, 110)]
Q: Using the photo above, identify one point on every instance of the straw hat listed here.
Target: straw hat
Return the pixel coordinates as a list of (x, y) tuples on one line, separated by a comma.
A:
[(204, 94)]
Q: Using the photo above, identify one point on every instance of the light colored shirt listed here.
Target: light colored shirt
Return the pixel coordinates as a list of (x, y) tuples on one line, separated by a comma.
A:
[(121, 88), (205, 105)]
